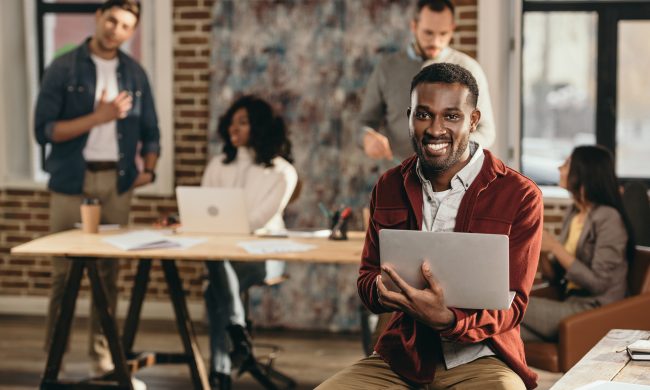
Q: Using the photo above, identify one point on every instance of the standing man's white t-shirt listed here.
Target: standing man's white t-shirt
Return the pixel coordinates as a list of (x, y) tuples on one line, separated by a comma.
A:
[(102, 140)]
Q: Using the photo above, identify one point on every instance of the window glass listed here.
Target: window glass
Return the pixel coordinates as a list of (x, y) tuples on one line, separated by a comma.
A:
[(633, 97), (558, 89), (65, 31)]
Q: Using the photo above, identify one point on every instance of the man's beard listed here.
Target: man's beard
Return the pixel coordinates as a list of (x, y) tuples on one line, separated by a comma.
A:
[(439, 166), (420, 50)]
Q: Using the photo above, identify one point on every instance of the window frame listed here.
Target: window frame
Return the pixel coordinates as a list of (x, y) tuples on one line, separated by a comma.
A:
[(609, 14)]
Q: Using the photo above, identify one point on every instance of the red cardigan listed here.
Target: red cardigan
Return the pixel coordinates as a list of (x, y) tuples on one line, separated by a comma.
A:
[(499, 201)]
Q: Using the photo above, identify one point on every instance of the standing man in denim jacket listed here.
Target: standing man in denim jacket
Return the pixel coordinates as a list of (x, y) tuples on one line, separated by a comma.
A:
[(94, 107)]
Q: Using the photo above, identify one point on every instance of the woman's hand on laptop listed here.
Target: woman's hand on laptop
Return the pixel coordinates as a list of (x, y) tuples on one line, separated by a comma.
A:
[(426, 305)]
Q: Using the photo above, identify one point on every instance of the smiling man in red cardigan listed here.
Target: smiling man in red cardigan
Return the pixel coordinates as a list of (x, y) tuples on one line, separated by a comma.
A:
[(450, 184)]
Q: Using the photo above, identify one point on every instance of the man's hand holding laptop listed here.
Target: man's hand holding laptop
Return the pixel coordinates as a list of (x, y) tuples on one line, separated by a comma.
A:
[(426, 305)]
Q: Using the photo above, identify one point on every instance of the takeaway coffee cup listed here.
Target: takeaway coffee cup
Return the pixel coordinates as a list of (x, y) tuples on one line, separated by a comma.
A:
[(90, 214)]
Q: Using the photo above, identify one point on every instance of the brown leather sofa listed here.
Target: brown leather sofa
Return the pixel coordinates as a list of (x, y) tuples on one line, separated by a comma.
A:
[(580, 332)]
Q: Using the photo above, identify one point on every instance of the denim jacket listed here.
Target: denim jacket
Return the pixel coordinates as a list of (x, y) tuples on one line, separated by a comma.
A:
[(68, 92)]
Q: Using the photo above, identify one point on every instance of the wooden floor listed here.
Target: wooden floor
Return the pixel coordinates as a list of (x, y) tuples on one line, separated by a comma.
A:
[(307, 357)]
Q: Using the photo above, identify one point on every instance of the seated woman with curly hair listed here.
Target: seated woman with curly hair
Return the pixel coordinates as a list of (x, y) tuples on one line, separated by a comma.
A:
[(256, 157)]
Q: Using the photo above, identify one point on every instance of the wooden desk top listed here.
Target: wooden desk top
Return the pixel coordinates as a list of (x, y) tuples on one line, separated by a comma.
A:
[(74, 243), (608, 360)]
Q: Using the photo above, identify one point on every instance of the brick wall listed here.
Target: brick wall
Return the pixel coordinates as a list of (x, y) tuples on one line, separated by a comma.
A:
[(24, 214)]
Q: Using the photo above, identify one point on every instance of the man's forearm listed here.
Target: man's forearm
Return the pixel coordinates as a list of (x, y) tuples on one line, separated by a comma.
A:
[(66, 130), (150, 160)]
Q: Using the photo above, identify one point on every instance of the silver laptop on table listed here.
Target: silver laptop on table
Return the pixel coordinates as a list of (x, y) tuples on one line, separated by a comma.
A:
[(472, 268), (212, 210)]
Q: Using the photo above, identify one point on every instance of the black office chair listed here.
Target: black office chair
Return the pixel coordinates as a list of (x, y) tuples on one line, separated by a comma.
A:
[(261, 363)]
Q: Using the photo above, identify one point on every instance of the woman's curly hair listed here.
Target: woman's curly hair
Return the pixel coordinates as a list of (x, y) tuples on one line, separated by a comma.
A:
[(269, 137)]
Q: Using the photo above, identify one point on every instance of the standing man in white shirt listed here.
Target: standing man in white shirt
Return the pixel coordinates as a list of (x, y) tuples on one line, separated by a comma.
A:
[(383, 124), (94, 107)]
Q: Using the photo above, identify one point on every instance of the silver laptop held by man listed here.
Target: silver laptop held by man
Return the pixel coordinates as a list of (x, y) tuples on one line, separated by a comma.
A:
[(472, 268), (212, 210)]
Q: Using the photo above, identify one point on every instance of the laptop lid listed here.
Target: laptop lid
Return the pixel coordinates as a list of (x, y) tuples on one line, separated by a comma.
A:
[(212, 210), (472, 268)]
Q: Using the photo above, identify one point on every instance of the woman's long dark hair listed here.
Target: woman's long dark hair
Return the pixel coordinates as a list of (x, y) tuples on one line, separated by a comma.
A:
[(268, 135), (592, 179)]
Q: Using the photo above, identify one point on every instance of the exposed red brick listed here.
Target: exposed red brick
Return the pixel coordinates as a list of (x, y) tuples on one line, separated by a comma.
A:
[(38, 274), (468, 40), (200, 162), (185, 3), (17, 216), (36, 228), (180, 149), (185, 101), (468, 15), (10, 272), (193, 40), (140, 208), (195, 15), (181, 173), (192, 65), (42, 205), (18, 239), (21, 193), (184, 27), (13, 284), (183, 77), (189, 137), (181, 125), (13, 203), (166, 209), (466, 28), (203, 90), (178, 53)]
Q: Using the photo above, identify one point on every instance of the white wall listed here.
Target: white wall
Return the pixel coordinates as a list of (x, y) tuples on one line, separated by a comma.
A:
[(498, 54)]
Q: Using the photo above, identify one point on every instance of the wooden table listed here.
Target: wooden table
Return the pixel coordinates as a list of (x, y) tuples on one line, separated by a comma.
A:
[(608, 360), (82, 249)]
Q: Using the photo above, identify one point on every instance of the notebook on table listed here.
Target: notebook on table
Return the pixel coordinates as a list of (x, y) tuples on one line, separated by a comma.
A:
[(212, 210), (472, 268)]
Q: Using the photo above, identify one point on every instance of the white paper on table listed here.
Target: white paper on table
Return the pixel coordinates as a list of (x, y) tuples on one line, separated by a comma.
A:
[(142, 239), (261, 247), (295, 233), (186, 242), (607, 385)]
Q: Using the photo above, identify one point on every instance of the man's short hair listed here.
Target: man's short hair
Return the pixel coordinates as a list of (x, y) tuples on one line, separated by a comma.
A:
[(434, 5), (128, 5), (449, 74)]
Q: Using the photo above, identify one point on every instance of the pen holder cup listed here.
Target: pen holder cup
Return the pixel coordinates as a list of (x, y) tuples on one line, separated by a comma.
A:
[(339, 227)]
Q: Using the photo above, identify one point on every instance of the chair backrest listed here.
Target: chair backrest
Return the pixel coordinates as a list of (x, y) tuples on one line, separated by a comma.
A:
[(638, 276), (637, 208)]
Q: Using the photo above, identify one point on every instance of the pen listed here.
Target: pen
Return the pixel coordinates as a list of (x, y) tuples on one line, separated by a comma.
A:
[(324, 210)]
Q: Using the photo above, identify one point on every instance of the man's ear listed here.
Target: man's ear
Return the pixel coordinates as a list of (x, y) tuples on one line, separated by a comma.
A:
[(414, 25), (474, 119)]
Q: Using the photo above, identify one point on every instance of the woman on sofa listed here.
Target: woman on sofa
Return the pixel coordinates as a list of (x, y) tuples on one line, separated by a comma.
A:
[(589, 260)]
